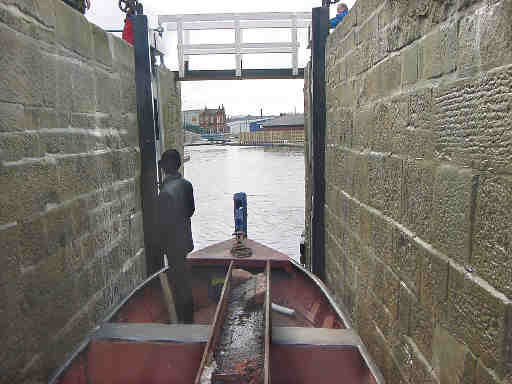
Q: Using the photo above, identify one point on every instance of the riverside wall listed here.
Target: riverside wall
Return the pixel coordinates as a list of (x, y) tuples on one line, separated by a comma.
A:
[(71, 233), (270, 137), (419, 189)]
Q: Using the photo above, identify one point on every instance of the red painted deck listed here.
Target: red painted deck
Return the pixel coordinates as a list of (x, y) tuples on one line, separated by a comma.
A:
[(318, 364), (108, 362)]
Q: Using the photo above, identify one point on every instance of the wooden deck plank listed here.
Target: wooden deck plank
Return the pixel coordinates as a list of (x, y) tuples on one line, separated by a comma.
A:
[(268, 325), (149, 332), (216, 326)]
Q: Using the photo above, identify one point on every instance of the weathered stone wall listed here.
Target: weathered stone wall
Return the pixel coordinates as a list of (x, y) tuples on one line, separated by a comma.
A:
[(70, 210), (170, 112), (419, 188)]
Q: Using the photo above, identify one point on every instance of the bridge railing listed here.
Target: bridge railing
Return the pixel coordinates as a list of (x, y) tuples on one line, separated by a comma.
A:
[(183, 24)]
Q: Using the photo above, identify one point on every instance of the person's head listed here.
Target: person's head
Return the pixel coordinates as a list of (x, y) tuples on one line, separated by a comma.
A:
[(170, 161), (342, 7)]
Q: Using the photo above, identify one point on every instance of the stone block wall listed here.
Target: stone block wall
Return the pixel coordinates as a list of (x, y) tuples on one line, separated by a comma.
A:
[(71, 234), (170, 112), (419, 187)]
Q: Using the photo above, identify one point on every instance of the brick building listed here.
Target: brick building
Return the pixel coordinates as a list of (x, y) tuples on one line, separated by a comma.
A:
[(294, 122), (285, 129), (213, 120)]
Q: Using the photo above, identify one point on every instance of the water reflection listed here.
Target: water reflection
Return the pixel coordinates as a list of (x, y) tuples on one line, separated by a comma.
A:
[(273, 179)]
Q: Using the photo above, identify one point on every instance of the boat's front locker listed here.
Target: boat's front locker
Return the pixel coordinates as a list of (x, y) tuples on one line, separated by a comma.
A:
[(238, 350)]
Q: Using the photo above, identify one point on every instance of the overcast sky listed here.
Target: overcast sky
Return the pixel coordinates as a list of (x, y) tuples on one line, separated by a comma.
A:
[(238, 97)]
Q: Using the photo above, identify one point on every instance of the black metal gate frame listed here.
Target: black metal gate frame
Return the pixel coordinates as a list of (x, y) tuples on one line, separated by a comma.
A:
[(147, 139), (147, 142), (319, 34)]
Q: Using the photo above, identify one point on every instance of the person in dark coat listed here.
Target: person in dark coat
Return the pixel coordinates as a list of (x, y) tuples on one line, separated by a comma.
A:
[(341, 12), (175, 208)]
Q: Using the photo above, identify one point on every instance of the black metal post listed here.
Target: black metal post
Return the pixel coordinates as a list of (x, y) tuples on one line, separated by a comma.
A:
[(147, 142), (320, 32)]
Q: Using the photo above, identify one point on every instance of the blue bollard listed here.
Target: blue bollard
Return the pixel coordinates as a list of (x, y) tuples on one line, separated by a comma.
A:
[(240, 212)]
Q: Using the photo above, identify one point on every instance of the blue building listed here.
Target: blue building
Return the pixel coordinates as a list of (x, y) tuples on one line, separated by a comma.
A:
[(257, 125)]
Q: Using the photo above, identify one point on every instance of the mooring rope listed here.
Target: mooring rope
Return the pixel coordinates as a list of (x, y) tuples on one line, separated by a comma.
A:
[(239, 249)]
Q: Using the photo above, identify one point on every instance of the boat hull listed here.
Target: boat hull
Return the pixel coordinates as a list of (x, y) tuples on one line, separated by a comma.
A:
[(136, 343)]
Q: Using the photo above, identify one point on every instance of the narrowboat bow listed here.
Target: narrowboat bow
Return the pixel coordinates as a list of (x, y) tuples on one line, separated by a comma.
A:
[(259, 317)]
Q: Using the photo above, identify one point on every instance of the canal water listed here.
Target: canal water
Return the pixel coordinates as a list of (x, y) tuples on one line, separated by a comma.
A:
[(273, 179)]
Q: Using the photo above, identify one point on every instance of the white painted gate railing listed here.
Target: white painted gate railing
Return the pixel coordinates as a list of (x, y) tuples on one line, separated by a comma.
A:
[(237, 22)]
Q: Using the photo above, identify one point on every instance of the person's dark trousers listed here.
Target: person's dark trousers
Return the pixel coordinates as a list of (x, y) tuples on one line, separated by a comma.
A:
[(179, 280)]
